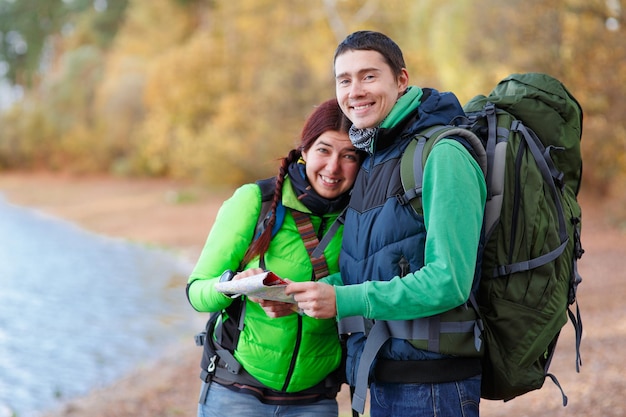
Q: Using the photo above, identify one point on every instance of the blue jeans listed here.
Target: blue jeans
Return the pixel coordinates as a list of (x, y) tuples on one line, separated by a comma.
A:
[(451, 399), (222, 402)]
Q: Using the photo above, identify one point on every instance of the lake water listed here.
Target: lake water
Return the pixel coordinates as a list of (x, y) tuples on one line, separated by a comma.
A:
[(79, 310)]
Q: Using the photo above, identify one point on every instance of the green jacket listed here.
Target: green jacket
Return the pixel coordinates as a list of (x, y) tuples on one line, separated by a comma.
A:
[(290, 353)]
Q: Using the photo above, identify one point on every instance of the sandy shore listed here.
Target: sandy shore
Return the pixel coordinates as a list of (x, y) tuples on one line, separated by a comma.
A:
[(172, 214), (178, 216)]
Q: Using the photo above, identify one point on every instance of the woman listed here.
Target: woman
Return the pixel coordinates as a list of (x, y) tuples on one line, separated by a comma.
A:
[(289, 365)]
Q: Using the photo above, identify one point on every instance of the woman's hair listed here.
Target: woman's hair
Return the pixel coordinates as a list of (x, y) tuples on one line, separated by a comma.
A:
[(326, 117), (366, 40)]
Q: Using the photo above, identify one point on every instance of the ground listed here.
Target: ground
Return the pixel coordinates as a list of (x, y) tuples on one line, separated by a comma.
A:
[(178, 216)]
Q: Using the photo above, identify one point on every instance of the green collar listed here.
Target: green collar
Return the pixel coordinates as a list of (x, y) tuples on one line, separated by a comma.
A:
[(290, 199), (405, 104)]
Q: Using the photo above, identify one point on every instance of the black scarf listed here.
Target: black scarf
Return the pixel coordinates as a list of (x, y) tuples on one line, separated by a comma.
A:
[(311, 199)]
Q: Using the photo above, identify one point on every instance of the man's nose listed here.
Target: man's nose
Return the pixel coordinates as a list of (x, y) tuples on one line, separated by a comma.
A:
[(356, 89)]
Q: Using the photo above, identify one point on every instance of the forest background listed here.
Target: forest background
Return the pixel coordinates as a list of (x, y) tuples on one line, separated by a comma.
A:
[(214, 91)]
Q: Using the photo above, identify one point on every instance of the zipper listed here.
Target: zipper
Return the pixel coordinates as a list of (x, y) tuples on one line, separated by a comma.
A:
[(372, 152), (405, 267), (321, 231), (296, 349)]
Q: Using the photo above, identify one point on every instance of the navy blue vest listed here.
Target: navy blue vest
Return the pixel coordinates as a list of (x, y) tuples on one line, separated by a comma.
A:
[(384, 238)]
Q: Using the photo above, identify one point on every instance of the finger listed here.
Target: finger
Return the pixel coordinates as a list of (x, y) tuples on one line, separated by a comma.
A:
[(276, 313), (296, 309), (248, 273), (295, 287)]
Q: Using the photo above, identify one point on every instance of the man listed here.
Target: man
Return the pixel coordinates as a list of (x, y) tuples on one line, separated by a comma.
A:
[(402, 294)]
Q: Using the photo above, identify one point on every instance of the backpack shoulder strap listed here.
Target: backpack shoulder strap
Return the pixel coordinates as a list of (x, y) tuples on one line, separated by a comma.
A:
[(311, 242), (267, 187), (332, 230), (414, 158)]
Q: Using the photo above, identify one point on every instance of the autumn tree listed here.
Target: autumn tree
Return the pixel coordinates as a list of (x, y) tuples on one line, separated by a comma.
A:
[(215, 91)]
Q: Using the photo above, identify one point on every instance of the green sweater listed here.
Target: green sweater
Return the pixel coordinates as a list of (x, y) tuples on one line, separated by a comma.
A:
[(290, 353)]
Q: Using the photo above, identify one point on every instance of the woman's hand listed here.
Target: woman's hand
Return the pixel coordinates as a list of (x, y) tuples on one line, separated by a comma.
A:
[(276, 309), (273, 309), (248, 273)]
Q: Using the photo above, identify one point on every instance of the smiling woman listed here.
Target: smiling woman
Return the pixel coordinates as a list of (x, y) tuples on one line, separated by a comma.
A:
[(288, 365)]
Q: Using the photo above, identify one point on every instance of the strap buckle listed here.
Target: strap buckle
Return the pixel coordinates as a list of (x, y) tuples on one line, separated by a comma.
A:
[(212, 364)]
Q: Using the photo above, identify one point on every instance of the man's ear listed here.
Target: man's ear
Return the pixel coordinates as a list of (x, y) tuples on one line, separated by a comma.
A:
[(403, 81)]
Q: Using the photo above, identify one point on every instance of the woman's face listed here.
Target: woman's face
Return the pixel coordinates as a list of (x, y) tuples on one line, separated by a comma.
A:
[(331, 164)]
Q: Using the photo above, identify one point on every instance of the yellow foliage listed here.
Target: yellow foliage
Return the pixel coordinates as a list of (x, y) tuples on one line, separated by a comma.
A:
[(184, 84), (152, 146), (77, 153), (218, 90), (151, 27)]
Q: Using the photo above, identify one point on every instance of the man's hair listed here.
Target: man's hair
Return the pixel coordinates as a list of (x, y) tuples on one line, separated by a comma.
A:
[(367, 40)]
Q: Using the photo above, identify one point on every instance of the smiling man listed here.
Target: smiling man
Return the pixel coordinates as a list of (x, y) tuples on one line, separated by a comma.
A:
[(402, 293)]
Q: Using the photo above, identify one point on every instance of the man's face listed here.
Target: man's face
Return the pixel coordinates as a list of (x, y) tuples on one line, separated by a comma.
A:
[(366, 87)]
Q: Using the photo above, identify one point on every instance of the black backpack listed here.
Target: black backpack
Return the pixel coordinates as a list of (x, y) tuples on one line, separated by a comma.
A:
[(231, 318)]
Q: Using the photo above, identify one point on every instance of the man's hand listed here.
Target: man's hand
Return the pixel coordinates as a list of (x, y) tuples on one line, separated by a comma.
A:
[(315, 299)]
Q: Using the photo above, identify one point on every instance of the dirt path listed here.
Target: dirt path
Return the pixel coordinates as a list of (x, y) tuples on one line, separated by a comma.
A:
[(178, 216)]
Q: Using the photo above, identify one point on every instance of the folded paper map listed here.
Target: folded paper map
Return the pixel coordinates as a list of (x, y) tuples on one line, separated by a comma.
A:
[(266, 285)]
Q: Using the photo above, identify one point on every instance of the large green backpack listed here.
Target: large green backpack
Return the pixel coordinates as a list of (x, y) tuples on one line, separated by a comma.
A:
[(529, 130)]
